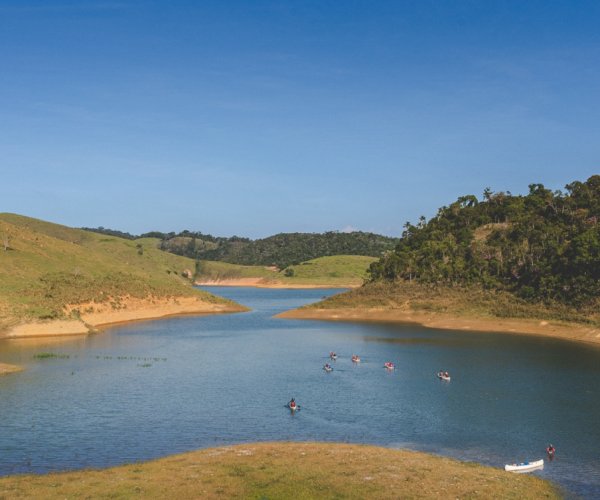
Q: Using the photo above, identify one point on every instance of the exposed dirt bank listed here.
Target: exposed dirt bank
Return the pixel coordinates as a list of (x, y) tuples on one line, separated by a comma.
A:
[(124, 309), (568, 331), (286, 470), (6, 368)]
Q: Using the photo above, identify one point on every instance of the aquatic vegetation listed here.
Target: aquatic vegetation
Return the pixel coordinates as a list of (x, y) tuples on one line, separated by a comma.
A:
[(54, 355), (51, 355)]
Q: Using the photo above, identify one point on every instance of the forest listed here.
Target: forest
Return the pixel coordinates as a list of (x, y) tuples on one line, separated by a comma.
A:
[(543, 246)]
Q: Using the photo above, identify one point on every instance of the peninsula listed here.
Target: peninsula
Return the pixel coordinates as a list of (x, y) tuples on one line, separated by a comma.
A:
[(286, 470), (56, 280), (520, 264)]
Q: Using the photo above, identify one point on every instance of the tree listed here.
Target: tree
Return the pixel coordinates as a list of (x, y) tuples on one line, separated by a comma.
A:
[(544, 246)]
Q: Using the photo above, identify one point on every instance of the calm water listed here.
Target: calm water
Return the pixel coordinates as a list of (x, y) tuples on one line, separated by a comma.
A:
[(225, 379)]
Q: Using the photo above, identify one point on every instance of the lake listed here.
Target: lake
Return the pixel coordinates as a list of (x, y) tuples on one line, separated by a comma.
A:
[(150, 389)]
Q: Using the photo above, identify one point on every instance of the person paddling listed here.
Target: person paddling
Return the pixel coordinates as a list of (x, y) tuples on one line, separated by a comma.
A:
[(551, 450)]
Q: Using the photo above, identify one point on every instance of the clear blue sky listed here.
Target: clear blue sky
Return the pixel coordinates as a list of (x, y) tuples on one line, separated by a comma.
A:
[(258, 117)]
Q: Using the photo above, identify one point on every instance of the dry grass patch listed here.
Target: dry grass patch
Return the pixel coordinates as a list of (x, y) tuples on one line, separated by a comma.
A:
[(459, 301), (47, 267), (286, 470)]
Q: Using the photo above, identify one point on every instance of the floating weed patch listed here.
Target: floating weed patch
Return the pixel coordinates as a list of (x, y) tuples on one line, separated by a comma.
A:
[(146, 359), (145, 365), (51, 355), (132, 358)]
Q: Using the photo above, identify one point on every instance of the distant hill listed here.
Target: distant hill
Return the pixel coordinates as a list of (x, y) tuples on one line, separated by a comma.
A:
[(331, 271), (46, 267), (281, 250)]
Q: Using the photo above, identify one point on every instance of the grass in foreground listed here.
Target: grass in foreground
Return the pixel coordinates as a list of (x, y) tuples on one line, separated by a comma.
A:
[(457, 301), (287, 470)]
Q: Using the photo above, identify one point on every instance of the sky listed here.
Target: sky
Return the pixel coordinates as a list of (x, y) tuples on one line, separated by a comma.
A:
[(258, 117)]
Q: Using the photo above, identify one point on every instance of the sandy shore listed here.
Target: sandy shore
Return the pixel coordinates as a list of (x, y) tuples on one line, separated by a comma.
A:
[(265, 283), (126, 309), (567, 331), (6, 368)]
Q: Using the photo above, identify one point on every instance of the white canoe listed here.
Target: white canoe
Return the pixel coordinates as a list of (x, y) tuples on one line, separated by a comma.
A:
[(444, 377), (525, 466), (293, 408), (328, 369)]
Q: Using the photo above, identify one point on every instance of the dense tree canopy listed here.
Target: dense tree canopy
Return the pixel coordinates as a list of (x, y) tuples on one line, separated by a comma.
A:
[(542, 246)]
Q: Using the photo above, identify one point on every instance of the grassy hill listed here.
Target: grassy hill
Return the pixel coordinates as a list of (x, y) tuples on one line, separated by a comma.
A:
[(506, 263), (45, 266), (287, 470), (339, 270), (543, 247)]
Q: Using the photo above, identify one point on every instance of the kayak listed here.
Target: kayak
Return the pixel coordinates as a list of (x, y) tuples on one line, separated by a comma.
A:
[(333, 356), (389, 365), (443, 377), (355, 359), (293, 408), (328, 368), (525, 466)]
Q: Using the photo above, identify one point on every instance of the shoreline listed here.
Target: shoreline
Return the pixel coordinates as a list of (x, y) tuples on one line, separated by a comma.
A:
[(518, 326), (5, 369), (262, 283), (100, 316)]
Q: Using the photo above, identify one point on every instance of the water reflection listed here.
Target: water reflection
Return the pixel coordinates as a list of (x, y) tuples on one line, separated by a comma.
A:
[(445, 342)]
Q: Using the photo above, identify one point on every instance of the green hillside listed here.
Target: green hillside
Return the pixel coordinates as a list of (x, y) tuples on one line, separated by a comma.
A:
[(332, 269), (339, 270), (44, 266), (519, 257), (541, 247)]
